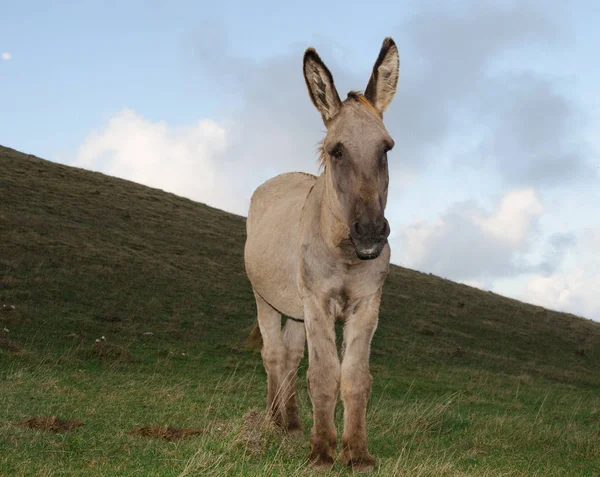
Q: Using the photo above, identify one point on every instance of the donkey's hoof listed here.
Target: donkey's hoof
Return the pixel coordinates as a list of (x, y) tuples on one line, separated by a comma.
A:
[(358, 463), (294, 427), (320, 461), (322, 451), (295, 430)]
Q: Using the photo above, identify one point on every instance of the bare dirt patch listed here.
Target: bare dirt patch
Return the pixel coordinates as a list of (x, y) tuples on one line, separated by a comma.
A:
[(167, 433), (51, 423), (8, 345)]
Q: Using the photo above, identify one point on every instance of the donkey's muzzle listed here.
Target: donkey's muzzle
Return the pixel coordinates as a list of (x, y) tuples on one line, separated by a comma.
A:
[(369, 238)]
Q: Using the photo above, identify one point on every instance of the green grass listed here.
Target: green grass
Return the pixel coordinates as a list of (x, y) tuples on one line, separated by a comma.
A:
[(467, 383)]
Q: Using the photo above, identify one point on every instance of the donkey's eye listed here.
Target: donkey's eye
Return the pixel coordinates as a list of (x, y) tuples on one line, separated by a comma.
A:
[(337, 152)]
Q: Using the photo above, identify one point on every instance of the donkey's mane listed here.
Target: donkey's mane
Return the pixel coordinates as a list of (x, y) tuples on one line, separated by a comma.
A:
[(321, 158), (362, 99), (354, 96)]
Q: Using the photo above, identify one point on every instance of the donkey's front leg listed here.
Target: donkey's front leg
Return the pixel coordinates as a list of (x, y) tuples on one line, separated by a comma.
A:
[(356, 382), (323, 383)]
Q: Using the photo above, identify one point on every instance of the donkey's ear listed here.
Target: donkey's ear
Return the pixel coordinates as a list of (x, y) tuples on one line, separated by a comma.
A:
[(320, 86), (384, 79)]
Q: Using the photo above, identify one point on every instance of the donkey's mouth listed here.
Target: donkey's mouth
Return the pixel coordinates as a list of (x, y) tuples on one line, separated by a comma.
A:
[(368, 250)]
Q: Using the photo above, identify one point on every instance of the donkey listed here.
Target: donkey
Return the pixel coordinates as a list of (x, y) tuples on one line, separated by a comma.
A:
[(317, 251)]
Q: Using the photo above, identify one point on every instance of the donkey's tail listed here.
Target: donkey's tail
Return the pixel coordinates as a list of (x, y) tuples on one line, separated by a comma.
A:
[(255, 338)]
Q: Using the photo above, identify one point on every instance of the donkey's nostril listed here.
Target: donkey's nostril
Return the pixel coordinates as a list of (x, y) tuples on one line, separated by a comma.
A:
[(357, 229), (385, 230)]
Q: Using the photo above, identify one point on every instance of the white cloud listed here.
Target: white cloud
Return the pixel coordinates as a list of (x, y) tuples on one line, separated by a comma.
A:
[(515, 216), (6, 56), (573, 288), (184, 160), (470, 244)]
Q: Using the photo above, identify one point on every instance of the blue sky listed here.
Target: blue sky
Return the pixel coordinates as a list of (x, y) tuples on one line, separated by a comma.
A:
[(496, 166)]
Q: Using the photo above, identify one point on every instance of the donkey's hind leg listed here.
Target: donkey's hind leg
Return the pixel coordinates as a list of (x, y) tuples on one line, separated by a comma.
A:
[(294, 338), (274, 357)]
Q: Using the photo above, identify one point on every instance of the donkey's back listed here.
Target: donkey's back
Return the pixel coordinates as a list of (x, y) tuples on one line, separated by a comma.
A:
[(273, 230)]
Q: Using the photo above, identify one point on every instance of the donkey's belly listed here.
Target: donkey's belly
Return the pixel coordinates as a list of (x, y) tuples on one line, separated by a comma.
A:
[(272, 243)]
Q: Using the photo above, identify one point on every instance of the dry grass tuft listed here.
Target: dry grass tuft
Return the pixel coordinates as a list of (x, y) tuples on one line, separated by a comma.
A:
[(252, 436)]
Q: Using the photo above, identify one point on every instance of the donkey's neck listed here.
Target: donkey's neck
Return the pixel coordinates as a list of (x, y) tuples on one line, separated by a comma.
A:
[(333, 228)]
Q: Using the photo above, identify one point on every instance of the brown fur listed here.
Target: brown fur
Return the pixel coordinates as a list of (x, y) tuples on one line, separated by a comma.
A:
[(317, 251)]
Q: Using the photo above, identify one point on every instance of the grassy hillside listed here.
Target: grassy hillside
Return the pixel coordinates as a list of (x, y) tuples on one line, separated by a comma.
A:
[(131, 308)]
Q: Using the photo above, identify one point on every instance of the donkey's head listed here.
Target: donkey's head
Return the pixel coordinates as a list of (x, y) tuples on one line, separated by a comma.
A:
[(354, 151)]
